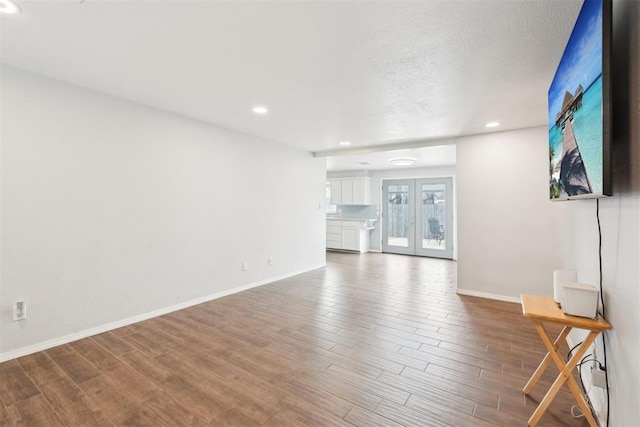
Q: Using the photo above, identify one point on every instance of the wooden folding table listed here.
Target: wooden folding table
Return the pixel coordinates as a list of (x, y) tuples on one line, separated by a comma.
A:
[(544, 309)]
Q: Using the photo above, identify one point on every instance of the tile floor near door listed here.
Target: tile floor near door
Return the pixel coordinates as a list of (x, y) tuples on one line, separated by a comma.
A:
[(403, 242), (370, 340)]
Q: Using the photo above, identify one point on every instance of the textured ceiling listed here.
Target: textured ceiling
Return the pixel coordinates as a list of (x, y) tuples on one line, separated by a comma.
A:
[(368, 72), (442, 155)]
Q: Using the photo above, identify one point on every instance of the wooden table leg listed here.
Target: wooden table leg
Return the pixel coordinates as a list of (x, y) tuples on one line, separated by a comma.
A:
[(564, 376), (545, 362)]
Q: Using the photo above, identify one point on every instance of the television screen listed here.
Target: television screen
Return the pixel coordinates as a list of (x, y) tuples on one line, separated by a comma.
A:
[(579, 109)]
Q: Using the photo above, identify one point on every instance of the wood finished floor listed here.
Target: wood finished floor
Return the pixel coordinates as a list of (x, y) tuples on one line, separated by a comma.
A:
[(370, 340)]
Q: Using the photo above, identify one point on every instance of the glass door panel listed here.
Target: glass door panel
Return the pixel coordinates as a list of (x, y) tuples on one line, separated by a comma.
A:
[(398, 217), (435, 217)]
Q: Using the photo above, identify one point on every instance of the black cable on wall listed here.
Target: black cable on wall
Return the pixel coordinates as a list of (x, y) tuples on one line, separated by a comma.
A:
[(602, 308)]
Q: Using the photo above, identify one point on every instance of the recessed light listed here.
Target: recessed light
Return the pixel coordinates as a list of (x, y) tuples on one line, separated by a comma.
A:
[(402, 161), (345, 143), (7, 6), (260, 110), (492, 124)]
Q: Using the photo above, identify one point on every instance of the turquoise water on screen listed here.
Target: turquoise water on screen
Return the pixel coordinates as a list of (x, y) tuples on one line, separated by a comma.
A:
[(587, 128)]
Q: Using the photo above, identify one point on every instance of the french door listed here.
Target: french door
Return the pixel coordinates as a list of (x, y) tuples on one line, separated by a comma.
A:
[(417, 217)]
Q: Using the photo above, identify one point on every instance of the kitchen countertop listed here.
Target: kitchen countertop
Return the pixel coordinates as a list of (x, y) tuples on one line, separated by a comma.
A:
[(367, 223), (344, 218)]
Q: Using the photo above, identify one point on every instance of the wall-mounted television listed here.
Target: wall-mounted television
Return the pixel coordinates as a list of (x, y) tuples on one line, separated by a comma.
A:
[(580, 109)]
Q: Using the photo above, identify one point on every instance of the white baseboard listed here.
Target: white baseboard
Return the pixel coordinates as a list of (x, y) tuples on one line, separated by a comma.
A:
[(488, 296), (34, 348)]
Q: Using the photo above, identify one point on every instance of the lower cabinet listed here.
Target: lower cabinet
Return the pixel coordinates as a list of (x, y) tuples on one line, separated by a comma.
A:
[(350, 239), (334, 234), (347, 235)]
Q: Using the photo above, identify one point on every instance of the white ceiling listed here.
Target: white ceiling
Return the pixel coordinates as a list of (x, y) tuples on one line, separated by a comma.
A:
[(442, 155), (368, 72)]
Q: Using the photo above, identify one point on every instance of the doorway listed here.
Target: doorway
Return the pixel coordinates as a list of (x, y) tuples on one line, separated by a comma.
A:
[(417, 217)]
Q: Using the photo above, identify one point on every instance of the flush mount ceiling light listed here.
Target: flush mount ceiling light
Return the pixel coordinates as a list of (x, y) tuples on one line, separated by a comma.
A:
[(492, 124), (402, 161), (260, 110), (345, 143), (8, 7)]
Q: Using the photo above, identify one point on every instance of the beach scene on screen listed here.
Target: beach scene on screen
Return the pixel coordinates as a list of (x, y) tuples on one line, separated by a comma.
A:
[(575, 110)]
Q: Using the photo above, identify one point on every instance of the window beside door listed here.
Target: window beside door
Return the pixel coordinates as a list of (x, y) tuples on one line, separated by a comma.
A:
[(328, 206)]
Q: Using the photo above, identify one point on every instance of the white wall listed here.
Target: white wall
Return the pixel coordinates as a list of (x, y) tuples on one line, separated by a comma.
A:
[(376, 194), (509, 233), (111, 210), (620, 223)]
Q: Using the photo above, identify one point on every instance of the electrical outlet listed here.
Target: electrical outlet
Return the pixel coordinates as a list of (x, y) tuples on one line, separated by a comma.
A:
[(245, 266), (598, 378), (269, 260), (19, 311)]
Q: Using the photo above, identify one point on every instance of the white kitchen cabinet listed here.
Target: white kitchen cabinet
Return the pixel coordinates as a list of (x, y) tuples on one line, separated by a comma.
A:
[(348, 235), (336, 191), (351, 191), (350, 239), (334, 234), (361, 191), (347, 192)]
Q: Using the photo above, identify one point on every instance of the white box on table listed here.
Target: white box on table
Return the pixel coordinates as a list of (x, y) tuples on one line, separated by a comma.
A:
[(580, 299)]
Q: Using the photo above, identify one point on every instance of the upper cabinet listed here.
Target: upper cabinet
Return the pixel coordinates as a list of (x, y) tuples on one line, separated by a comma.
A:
[(350, 191), (361, 187)]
